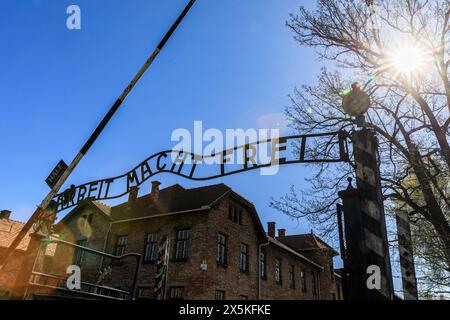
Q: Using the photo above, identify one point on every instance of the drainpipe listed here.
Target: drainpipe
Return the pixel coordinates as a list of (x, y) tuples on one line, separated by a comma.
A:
[(104, 245), (259, 267), (318, 286)]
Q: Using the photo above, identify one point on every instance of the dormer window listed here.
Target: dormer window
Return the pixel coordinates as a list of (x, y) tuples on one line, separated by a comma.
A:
[(87, 219), (235, 214)]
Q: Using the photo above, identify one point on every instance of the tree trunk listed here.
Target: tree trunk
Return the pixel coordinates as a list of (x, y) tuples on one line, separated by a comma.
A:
[(443, 230), (436, 215)]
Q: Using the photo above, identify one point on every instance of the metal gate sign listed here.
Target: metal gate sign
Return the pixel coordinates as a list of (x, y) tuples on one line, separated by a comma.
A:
[(56, 173), (279, 151)]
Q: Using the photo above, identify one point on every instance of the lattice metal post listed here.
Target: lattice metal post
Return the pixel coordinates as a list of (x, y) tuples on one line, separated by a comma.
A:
[(409, 280)]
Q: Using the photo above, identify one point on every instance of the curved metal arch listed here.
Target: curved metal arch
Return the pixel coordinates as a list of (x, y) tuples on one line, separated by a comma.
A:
[(135, 177)]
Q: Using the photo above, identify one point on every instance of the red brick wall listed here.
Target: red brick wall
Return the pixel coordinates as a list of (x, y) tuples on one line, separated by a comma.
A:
[(73, 230), (273, 291), (199, 284), (165, 226), (324, 257), (9, 274), (204, 227), (229, 278)]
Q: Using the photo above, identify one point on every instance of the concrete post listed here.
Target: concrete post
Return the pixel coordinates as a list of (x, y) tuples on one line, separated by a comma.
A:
[(365, 147), (354, 276), (408, 270), (365, 225)]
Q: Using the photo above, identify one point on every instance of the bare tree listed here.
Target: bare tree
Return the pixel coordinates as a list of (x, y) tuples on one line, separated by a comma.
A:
[(400, 50)]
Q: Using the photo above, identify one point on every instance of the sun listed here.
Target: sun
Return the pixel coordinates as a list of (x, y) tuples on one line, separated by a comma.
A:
[(408, 60)]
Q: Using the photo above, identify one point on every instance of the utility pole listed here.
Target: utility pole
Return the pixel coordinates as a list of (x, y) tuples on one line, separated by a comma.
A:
[(67, 170)]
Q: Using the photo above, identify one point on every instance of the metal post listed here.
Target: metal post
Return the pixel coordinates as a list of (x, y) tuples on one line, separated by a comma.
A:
[(409, 280), (37, 214), (136, 278)]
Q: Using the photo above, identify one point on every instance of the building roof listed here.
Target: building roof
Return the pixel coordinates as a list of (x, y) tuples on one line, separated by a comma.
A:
[(305, 242), (176, 200), (171, 199), (295, 252), (100, 207), (9, 229)]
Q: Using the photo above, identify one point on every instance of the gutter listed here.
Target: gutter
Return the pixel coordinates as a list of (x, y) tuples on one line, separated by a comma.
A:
[(104, 245), (280, 244), (203, 208)]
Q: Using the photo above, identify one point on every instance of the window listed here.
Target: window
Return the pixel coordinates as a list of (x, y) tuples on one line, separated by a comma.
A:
[(262, 265), (151, 242), (79, 253), (241, 297), (278, 271), (221, 249), (177, 293), (87, 219), (182, 244), (331, 270), (315, 281), (235, 214), (144, 293), (292, 277), (220, 295), (303, 280), (243, 260), (231, 212), (121, 245)]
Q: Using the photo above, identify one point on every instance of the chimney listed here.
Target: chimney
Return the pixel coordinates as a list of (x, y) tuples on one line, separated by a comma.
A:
[(5, 214), (133, 194), (155, 190), (271, 229), (281, 233)]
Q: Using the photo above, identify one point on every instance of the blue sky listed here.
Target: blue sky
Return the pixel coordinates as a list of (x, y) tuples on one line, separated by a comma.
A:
[(231, 64)]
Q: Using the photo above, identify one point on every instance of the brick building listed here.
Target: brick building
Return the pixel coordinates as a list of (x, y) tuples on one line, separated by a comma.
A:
[(218, 248), (9, 229)]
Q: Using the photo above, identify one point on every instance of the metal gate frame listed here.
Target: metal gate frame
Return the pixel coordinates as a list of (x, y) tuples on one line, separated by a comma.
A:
[(114, 294)]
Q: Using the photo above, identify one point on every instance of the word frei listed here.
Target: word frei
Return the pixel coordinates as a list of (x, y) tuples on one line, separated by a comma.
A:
[(217, 148)]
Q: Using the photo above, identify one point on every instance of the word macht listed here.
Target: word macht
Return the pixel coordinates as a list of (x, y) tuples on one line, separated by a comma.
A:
[(265, 152)]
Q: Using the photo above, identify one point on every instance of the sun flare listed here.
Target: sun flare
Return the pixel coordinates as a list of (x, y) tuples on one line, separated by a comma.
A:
[(408, 60)]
